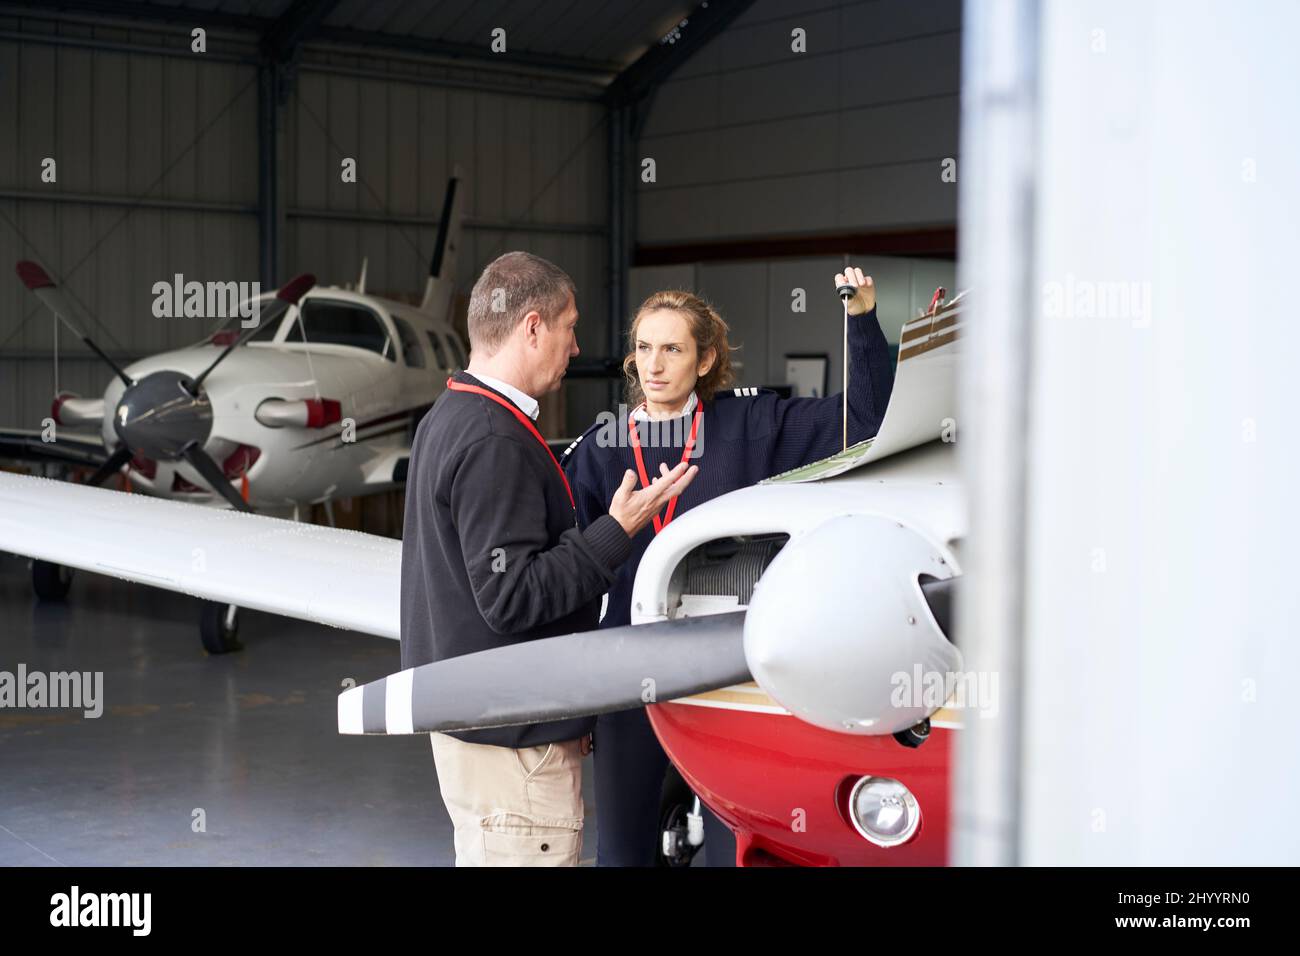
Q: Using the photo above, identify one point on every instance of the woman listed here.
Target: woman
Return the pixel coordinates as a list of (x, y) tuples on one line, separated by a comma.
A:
[(678, 377)]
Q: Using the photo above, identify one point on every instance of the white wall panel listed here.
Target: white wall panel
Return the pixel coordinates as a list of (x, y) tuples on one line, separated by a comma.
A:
[(644, 281), (816, 330), (738, 290), (755, 299), (753, 139)]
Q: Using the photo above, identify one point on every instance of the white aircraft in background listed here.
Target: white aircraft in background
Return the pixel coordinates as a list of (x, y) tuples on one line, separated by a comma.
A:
[(318, 400), (771, 623)]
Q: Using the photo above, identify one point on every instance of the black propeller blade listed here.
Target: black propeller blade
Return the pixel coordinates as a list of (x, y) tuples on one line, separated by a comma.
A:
[(205, 466), (112, 466), (39, 282), (289, 295), (554, 678)]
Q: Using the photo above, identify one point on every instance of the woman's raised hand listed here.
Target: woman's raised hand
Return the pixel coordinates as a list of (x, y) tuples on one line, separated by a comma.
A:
[(865, 299)]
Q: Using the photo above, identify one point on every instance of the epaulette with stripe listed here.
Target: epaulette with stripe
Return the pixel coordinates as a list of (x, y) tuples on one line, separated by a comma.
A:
[(751, 392), (573, 446)]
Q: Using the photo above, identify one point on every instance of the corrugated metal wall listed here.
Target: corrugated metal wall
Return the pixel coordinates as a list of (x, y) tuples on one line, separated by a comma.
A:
[(121, 128), (750, 138), (178, 129), (528, 163)]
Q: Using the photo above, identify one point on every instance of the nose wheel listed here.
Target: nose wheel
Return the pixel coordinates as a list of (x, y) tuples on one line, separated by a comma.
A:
[(219, 627), (681, 828), (51, 581)]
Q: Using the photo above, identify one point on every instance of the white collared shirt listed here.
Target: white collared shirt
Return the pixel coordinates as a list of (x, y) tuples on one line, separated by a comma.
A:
[(641, 415), (527, 404)]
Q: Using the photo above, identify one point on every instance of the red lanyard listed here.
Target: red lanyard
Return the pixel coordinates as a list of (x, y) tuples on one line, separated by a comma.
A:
[(686, 453), (525, 421)]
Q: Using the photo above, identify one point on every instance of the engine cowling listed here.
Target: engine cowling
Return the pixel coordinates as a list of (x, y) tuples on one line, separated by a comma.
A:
[(839, 629)]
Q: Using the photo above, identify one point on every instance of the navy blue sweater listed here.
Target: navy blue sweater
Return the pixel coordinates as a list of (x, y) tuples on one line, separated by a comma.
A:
[(746, 435)]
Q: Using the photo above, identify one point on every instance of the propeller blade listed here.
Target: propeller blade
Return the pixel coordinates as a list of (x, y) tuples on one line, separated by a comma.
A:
[(554, 678), (206, 467), (56, 300), (289, 295), (112, 466)]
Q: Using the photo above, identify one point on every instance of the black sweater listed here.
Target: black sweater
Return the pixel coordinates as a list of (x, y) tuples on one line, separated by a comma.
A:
[(746, 435), (491, 554)]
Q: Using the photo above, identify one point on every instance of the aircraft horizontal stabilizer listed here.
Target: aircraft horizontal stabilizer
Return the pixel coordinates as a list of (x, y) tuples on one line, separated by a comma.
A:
[(21, 444), (554, 678)]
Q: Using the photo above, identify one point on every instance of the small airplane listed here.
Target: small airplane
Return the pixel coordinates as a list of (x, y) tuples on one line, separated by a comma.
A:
[(770, 628), (317, 399)]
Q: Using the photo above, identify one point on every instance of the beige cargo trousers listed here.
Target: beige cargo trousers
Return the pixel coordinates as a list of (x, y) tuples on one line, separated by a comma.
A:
[(512, 807)]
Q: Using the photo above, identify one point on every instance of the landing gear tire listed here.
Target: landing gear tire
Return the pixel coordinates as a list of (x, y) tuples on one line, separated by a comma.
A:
[(51, 581), (675, 803), (219, 628)]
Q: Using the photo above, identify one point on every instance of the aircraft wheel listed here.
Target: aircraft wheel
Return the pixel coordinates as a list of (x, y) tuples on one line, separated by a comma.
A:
[(219, 628), (51, 581), (675, 803)]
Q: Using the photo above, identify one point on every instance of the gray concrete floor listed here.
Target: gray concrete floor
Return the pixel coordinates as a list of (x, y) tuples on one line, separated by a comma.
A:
[(249, 738)]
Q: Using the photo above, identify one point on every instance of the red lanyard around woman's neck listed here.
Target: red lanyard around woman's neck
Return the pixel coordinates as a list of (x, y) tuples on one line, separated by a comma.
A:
[(523, 419), (686, 453)]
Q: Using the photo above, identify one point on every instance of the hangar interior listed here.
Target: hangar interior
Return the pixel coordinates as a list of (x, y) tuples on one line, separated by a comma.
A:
[(743, 150)]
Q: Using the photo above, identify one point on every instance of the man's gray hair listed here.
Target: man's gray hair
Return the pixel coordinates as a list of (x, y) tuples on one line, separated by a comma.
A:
[(510, 287)]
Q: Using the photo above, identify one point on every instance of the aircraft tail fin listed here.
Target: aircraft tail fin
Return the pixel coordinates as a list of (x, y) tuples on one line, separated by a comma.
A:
[(441, 284)]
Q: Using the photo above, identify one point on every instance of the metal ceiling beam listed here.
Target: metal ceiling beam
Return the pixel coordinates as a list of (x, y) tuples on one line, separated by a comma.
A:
[(706, 21), (303, 18), (468, 51), (140, 10)]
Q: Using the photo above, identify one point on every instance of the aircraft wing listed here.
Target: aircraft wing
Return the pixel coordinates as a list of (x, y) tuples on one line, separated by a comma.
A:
[(328, 575)]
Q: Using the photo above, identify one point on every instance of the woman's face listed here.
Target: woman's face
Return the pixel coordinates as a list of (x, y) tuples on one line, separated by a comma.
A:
[(666, 359)]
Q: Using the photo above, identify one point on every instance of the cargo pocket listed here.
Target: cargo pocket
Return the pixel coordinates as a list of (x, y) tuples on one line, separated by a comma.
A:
[(518, 839)]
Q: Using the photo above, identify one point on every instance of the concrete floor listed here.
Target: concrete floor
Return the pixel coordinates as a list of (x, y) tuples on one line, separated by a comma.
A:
[(250, 738)]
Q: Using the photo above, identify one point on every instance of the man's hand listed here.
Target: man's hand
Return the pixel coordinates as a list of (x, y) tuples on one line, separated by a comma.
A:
[(865, 300), (635, 509)]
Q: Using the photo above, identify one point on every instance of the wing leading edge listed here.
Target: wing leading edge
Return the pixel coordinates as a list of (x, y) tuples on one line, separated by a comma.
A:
[(328, 575)]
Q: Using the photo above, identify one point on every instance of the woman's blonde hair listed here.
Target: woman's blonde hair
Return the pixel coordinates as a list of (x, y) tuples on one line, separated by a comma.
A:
[(707, 329)]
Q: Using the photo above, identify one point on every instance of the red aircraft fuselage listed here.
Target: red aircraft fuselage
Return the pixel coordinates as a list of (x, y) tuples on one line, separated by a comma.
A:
[(783, 785)]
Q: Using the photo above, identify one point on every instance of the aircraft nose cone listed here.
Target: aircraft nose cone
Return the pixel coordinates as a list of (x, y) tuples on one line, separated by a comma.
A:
[(157, 416), (839, 633)]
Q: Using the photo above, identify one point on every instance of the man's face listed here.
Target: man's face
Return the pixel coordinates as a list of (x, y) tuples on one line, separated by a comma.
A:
[(556, 344)]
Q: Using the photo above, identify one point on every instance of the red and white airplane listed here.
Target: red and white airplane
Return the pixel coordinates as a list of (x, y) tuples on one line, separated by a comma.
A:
[(772, 627), (317, 400)]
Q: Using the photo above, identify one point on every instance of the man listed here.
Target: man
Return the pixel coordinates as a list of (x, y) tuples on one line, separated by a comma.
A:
[(491, 556)]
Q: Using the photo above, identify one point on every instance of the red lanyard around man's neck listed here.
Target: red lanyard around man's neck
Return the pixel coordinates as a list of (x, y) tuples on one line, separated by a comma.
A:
[(523, 420), (686, 453)]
